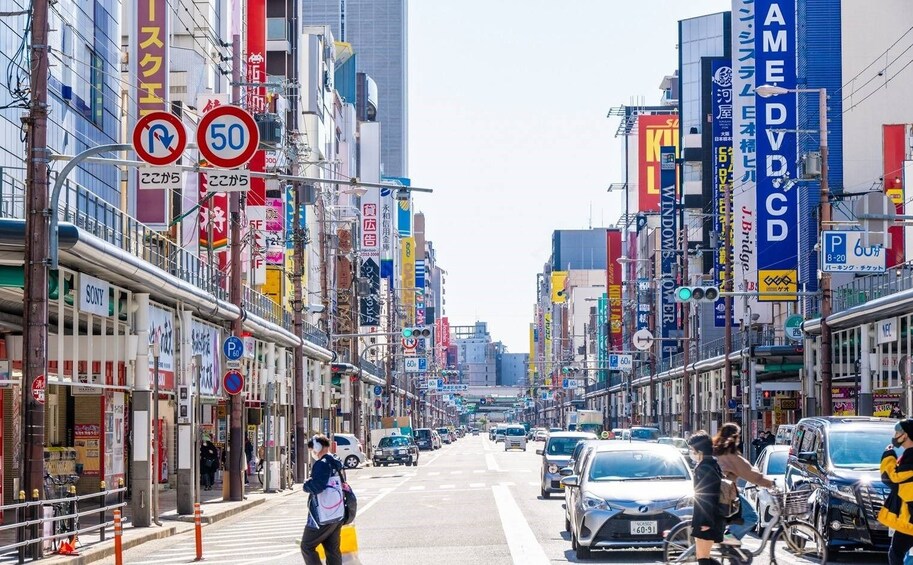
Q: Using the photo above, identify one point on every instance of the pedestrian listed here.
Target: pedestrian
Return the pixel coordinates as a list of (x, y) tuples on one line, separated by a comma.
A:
[(896, 413), (707, 522), (897, 474), (248, 457), (323, 526), (209, 461), (734, 467)]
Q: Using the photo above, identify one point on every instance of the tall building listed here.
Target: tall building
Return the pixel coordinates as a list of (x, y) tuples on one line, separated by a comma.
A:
[(512, 369), (378, 32), (476, 354)]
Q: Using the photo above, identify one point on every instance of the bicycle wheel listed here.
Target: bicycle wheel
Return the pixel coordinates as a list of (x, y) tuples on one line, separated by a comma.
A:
[(679, 545), (803, 544)]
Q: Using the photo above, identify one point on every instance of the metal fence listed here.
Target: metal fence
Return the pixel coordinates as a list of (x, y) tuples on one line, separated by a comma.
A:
[(863, 289)]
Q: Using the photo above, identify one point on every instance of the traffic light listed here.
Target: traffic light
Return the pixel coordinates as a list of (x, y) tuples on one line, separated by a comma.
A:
[(696, 293), (417, 332)]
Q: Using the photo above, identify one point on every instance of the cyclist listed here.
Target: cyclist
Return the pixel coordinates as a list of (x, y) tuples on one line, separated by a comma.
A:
[(707, 522), (734, 466)]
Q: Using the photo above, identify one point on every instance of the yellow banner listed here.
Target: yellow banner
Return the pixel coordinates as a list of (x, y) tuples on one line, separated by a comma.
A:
[(273, 285), (777, 281), (548, 343), (407, 261), (558, 293)]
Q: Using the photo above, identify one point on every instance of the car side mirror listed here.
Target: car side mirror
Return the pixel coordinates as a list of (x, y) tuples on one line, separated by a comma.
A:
[(566, 471), (808, 457), (572, 481), (538, 452)]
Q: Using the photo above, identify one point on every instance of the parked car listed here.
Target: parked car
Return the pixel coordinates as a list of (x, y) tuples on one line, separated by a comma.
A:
[(445, 435), (839, 458), (678, 443), (772, 464), (514, 438), (555, 455), (629, 493), (436, 439), (349, 450), (396, 449), (540, 435), (475, 431), (424, 438)]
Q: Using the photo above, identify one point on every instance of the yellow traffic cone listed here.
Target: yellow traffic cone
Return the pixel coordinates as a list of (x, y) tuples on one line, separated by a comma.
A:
[(348, 546)]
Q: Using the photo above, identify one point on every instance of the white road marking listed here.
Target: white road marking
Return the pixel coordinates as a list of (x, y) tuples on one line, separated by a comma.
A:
[(379, 497), (447, 486), (490, 461), (433, 473), (420, 487), (456, 472), (480, 471), (524, 548), (506, 484), (476, 485)]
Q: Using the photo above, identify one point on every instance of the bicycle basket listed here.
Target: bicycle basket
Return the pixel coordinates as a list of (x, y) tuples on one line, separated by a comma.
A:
[(796, 503)]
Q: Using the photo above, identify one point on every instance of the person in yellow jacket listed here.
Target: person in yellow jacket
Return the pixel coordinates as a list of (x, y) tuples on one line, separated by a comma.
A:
[(897, 474)]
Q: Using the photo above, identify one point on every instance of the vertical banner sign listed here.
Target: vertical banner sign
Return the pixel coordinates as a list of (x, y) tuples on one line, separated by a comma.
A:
[(744, 159), (531, 369), (778, 213), (369, 306), (407, 282), (255, 248), (602, 336), (275, 231), (205, 343), (387, 204), (161, 324), (613, 284), (653, 131), (370, 245), (894, 149), (668, 237), (548, 343), (152, 65), (256, 94), (559, 279), (420, 293), (721, 148), (213, 218)]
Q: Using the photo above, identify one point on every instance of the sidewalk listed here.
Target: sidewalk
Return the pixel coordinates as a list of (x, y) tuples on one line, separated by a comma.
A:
[(213, 508)]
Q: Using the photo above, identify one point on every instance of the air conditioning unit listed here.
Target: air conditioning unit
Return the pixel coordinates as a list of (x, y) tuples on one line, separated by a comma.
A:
[(270, 127)]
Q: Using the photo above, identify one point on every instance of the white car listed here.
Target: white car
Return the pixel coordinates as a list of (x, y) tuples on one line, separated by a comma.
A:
[(515, 438), (349, 450), (772, 464), (540, 435)]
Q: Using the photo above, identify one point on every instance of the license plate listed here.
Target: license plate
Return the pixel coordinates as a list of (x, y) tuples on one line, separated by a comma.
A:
[(642, 528), (390, 458)]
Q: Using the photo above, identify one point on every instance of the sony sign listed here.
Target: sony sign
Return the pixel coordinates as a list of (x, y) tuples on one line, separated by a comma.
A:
[(778, 215)]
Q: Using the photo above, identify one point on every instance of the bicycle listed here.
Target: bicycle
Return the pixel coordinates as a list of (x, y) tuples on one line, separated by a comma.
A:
[(65, 521), (803, 541), (286, 468)]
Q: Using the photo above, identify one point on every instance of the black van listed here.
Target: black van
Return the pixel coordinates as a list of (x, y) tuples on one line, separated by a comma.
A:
[(839, 457), (423, 438)]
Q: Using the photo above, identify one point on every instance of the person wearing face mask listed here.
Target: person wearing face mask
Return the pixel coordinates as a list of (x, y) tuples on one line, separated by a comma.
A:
[(897, 474), (326, 465), (707, 522)]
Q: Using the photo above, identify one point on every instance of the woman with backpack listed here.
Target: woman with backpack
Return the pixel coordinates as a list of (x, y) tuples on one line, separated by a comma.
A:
[(735, 467), (326, 509), (707, 522)]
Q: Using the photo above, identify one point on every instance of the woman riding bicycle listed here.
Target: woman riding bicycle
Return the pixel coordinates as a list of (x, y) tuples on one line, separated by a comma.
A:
[(734, 466), (707, 522)]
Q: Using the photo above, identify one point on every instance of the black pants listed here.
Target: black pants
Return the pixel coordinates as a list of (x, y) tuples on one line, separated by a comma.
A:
[(328, 536), (900, 545)]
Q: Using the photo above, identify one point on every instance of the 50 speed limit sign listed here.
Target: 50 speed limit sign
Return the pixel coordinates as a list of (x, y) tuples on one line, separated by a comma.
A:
[(227, 137)]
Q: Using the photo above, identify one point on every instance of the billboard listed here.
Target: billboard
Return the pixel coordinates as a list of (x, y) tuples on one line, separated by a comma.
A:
[(721, 151), (777, 206), (407, 277), (559, 278), (613, 285), (653, 132), (668, 238), (894, 148), (602, 337)]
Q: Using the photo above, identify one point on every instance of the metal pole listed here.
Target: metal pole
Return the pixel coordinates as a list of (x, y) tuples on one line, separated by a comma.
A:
[(824, 218), (35, 296), (236, 440), (686, 314), (157, 460), (727, 300), (298, 312)]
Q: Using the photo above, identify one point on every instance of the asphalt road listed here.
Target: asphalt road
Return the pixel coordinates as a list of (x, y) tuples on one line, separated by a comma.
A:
[(467, 503)]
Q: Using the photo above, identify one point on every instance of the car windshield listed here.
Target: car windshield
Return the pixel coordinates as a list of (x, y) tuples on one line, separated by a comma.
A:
[(562, 445), (394, 442), (644, 433), (776, 463), (858, 448), (516, 432), (443, 431), (637, 466), (423, 434)]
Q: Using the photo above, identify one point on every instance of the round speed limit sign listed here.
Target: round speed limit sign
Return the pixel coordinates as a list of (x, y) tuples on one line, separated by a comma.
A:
[(227, 137)]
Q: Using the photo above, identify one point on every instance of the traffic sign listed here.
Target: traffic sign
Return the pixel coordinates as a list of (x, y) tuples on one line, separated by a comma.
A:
[(159, 138), (227, 137), (416, 364), (620, 362), (410, 346), (793, 327), (378, 390), (38, 389), (233, 348), (233, 382), (642, 340), (846, 252)]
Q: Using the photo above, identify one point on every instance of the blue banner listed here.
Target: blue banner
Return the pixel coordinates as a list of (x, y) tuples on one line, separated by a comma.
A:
[(721, 151), (602, 337), (777, 200), (668, 221)]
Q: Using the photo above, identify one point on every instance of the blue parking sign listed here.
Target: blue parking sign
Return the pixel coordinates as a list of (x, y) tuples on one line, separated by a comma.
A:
[(233, 348)]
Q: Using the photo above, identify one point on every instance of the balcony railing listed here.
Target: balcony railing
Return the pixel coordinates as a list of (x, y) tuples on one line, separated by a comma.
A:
[(107, 222), (863, 289)]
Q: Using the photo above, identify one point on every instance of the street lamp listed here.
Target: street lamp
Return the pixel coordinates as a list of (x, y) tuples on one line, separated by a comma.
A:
[(824, 218)]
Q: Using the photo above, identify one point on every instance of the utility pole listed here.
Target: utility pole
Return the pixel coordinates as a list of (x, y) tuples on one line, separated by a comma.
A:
[(686, 314), (727, 300), (824, 218), (298, 312), (35, 313), (236, 442)]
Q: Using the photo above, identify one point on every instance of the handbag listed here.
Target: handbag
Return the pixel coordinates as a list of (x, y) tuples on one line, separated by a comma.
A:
[(330, 502)]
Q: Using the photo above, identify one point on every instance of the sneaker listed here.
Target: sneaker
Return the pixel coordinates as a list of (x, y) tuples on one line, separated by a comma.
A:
[(730, 539)]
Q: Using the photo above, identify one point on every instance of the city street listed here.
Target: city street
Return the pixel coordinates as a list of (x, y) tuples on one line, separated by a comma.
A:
[(469, 502)]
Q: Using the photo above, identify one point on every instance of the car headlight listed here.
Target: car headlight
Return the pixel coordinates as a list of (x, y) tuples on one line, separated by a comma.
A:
[(593, 503), (685, 502), (843, 492), (553, 468)]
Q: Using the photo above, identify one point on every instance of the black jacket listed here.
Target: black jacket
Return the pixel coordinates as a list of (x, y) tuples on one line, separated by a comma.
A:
[(707, 478)]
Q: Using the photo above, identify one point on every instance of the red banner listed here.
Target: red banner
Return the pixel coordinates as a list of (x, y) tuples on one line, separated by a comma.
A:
[(256, 95), (613, 284), (214, 216), (152, 66), (653, 131), (894, 136)]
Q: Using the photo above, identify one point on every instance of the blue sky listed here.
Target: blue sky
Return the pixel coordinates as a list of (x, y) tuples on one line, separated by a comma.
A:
[(507, 122)]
